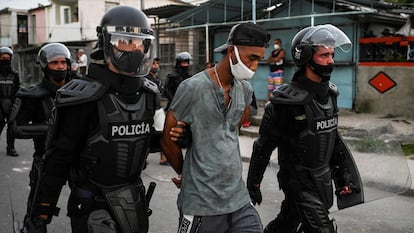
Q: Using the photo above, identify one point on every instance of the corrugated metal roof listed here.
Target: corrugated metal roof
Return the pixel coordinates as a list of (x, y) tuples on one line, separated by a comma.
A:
[(163, 3), (230, 11), (166, 8)]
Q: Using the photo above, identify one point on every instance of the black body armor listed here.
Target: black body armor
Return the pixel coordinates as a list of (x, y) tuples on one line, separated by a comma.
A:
[(117, 153), (114, 156), (7, 85), (31, 111), (315, 137)]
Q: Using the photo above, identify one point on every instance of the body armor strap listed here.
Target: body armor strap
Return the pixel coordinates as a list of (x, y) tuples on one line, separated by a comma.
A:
[(79, 91)]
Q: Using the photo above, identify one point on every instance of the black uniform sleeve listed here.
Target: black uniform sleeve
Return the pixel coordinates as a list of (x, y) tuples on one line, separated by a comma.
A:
[(70, 133), (263, 146), (16, 84)]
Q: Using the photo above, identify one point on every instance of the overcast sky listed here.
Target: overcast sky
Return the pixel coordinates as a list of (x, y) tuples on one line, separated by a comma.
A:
[(22, 4), (30, 4)]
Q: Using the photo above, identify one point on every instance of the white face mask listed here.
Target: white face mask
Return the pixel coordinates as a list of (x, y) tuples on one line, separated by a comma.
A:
[(240, 70), (276, 46)]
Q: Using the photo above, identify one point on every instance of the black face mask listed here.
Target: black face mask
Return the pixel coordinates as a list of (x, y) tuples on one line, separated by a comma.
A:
[(323, 71), (57, 75), (183, 68), (5, 66), (127, 61)]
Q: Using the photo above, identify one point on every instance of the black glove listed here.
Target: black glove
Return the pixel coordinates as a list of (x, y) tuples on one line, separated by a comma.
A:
[(185, 139), (255, 193), (35, 225)]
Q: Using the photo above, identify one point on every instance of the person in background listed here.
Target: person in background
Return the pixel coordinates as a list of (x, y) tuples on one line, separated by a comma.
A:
[(276, 65), (212, 105), (408, 30), (82, 60), (102, 134), (179, 74), (159, 117), (9, 84), (32, 109), (309, 155)]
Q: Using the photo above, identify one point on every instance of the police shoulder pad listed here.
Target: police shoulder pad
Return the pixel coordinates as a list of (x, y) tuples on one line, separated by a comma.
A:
[(32, 91), (290, 94), (79, 91), (150, 86)]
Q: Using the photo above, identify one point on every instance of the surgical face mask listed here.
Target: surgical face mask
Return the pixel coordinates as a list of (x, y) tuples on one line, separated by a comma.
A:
[(155, 70), (276, 46), (240, 70), (323, 71)]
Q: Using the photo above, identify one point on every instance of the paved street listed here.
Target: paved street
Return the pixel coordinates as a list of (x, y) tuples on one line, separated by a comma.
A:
[(388, 213)]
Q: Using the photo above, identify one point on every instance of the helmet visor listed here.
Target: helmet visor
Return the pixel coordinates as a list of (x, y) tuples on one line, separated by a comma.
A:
[(133, 50), (328, 36)]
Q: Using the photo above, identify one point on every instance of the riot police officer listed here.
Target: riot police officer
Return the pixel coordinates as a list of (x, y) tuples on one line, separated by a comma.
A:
[(179, 74), (32, 109), (302, 121), (9, 84), (102, 132)]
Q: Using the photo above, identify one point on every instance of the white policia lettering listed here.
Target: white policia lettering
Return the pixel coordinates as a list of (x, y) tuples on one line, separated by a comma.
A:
[(326, 124), (130, 130)]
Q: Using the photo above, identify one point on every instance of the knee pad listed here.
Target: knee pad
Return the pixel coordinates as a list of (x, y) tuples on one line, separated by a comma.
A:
[(314, 214)]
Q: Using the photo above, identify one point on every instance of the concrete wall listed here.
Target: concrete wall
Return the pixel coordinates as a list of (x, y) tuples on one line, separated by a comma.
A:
[(397, 101)]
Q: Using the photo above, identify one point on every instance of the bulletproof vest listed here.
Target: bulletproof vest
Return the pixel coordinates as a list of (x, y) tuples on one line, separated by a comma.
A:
[(6, 85), (116, 154), (31, 112), (316, 141)]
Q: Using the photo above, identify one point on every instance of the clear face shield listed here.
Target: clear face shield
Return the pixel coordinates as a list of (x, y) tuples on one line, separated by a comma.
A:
[(129, 49), (328, 36)]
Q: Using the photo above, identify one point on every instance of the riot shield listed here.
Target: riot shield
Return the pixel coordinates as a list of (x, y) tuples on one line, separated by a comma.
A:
[(382, 166)]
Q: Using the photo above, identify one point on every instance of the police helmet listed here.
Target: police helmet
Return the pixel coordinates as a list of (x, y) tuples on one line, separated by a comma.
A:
[(50, 52), (127, 40), (6, 50), (326, 35), (183, 56)]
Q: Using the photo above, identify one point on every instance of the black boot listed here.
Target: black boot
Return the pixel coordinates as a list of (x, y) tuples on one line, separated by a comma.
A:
[(12, 152), (10, 142)]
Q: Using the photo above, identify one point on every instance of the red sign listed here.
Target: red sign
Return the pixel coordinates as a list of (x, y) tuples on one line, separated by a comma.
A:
[(382, 82)]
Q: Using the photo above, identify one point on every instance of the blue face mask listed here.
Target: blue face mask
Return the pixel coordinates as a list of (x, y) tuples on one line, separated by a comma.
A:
[(155, 70)]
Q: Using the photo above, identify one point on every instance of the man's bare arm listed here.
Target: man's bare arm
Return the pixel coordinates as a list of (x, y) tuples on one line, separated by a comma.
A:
[(168, 142)]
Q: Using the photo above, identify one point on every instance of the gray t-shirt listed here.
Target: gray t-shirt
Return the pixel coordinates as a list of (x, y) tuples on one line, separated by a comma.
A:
[(212, 172)]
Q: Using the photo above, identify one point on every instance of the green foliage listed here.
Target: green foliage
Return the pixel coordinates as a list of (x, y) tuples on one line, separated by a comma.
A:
[(408, 149), (400, 1), (372, 145)]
